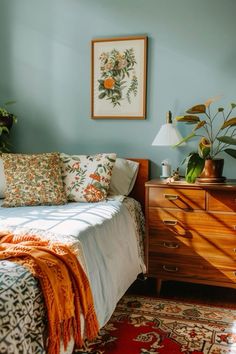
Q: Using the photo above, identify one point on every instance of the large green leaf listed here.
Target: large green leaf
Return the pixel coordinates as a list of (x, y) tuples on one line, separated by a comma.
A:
[(188, 137), (231, 152), (195, 166), (227, 140)]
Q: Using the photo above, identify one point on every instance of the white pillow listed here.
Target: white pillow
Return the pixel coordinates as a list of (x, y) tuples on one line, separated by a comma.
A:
[(2, 180), (123, 177)]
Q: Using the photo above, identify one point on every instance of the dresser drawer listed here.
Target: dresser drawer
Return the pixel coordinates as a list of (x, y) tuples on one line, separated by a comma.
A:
[(186, 199), (223, 248), (222, 201), (188, 224), (190, 267)]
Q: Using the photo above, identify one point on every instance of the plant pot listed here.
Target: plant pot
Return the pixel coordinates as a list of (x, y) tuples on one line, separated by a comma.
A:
[(212, 171)]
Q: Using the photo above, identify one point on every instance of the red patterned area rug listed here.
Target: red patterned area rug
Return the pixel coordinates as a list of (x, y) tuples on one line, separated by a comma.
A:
[(144, 325)]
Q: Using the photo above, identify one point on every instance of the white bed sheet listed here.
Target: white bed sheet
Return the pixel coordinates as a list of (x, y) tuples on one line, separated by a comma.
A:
[(104, 231)]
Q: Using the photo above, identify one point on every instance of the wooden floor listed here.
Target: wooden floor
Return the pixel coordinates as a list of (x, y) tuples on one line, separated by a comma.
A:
[(205, 294)]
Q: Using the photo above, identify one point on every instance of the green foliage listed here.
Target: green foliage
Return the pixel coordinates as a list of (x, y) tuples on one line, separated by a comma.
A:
[(7, 119), (231, 152), (195, 165), (209, 131), (133, 88), (185, 139)]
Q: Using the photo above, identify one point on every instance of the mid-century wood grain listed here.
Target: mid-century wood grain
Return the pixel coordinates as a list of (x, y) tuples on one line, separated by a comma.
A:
[(191, 232), (176, 198), (187, 224), (227, 201), (196, 270)]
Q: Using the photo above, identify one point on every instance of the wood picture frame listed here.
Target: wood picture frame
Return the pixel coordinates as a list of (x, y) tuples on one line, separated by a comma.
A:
[(118, 78)]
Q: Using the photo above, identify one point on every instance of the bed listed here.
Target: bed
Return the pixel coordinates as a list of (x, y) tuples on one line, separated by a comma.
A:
[(106, 237)]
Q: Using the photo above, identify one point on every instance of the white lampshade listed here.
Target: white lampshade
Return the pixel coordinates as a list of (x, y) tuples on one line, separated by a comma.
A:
[(168, 135)]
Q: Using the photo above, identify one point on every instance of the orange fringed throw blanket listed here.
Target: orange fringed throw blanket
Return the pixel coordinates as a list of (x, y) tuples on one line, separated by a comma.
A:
[(64, 285)]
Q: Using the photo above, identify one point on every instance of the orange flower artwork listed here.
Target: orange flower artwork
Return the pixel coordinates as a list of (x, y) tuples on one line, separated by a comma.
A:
[(109, 83), (118, 77)]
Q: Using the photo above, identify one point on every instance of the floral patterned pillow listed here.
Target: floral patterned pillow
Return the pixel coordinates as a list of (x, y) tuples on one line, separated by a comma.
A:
[(87, 177), (33, 179)]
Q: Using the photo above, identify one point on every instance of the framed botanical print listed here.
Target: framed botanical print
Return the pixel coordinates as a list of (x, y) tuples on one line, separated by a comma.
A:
[(119, 71)]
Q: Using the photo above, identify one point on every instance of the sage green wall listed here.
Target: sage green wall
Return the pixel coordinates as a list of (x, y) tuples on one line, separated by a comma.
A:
[(45, 67)]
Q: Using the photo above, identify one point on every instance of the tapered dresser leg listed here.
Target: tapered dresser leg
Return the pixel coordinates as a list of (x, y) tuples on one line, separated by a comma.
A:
[(158, 286)]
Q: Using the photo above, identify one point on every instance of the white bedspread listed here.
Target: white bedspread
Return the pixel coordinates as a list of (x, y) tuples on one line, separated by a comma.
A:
[(105, 233)]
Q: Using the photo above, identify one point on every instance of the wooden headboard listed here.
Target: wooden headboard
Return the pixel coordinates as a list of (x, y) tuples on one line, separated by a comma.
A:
[(138, 191)]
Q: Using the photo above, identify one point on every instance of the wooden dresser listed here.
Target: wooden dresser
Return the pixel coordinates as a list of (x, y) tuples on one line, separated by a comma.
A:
[(191, 232)]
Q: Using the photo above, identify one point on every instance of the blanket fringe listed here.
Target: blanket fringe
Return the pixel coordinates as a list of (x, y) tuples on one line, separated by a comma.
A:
[(64, 284)]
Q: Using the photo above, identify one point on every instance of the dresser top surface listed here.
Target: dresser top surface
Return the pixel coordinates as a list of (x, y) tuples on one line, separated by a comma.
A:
[(229, 184)]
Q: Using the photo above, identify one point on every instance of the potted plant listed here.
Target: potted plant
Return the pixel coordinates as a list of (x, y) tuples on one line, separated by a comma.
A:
[(216, 132), (7, 119)]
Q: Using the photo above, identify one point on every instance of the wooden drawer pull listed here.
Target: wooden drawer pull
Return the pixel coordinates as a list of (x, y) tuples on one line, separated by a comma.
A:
[(173, 245), (170, 269), (171, 196), (170, 222)]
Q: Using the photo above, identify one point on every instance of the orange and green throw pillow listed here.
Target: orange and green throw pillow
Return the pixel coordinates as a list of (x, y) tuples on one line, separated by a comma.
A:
[(87, 177), (33, 179)]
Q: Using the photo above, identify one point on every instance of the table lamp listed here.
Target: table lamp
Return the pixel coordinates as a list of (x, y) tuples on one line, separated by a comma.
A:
[(168, 135)]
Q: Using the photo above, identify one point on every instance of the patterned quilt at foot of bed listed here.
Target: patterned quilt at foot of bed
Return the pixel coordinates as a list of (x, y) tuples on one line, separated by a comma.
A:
[(28, 309)]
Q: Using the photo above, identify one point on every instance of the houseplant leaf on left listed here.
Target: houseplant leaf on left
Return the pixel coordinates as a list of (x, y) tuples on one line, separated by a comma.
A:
[(7, 119)]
